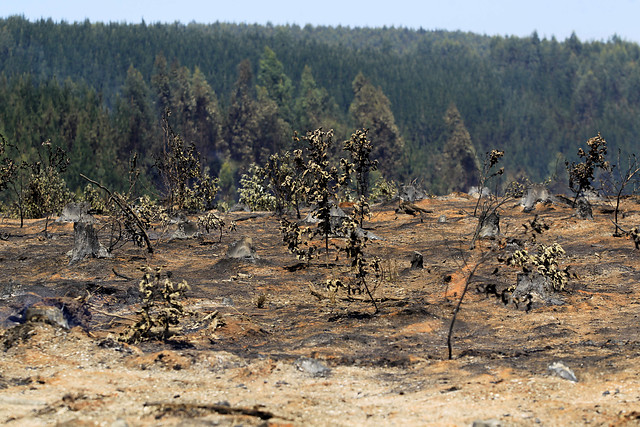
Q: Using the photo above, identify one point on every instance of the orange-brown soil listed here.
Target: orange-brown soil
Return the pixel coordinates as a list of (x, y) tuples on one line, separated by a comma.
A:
[(245, 364)]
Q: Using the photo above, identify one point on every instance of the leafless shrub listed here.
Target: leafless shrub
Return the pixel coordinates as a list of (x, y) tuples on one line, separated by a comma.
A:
[(617, 181)]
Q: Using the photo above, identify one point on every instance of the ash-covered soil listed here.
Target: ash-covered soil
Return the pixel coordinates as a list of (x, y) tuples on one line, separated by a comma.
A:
[(269, 344)]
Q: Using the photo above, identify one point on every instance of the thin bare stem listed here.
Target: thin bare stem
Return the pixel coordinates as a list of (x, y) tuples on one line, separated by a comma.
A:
[(457, 309), (126, 209)]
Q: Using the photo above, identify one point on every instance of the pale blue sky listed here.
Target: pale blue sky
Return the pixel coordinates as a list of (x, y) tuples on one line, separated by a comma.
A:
[(590, 19)]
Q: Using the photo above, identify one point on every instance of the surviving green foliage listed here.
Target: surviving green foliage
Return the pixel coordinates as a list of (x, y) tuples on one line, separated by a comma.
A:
[(359, 148), (383, 190), (187, 184), (544, 262), (36, 188), (160, 306), (581, 175), (253, 192), (100, 96)]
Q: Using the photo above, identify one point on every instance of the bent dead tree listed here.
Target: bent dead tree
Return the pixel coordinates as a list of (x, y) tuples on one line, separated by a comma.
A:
[(126, 209)]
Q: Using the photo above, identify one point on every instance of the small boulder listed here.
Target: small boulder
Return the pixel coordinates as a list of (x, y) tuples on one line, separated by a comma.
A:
[(487, 423), (563, 371), (477, 192), (336, 214), (362, 233), (62, 312), (312, 366), (178, 218), (412, 193), (240, 207), (46, 314)]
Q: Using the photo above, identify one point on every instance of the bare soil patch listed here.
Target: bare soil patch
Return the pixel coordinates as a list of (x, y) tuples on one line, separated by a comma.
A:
[(305, 360)]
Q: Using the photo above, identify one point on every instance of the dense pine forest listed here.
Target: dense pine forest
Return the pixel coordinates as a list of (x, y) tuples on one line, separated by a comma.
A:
[(430, 99)]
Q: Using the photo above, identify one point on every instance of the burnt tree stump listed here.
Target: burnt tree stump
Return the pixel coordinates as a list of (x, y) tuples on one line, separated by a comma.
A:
[(583, 209), (86, 243), (417, 260)]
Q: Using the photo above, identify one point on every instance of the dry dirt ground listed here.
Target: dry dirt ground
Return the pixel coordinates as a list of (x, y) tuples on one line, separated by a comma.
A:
[(307, 357)]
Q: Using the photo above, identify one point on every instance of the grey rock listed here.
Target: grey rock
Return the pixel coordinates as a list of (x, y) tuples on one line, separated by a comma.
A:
[(563, 371), (311, 218), (222, 360), (487, 423), (411, 193), (240, 207), (186, 230), (555, 301), (336, 217), (442, 219), (364, 233), (592, 196), (313, 367), (337, 212), (334, 212), (178, 218)]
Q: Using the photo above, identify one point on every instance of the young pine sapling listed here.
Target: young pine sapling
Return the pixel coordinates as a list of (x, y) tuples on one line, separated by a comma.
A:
[(359, 147), (581, 175)]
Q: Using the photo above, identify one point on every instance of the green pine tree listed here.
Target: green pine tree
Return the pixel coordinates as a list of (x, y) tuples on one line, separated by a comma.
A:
[(371, 110), (459, 166)]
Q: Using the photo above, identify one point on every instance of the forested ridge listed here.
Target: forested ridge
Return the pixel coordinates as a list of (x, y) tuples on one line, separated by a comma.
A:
[(240, 91)]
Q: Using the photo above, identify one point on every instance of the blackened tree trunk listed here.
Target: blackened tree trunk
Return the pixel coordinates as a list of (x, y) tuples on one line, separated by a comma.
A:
[(86, 243)]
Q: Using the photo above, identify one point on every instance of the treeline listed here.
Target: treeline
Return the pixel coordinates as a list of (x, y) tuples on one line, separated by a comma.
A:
[(240, 91), (259, 120)]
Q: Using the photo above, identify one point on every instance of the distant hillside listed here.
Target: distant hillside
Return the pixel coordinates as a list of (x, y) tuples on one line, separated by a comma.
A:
[(536, 99)]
